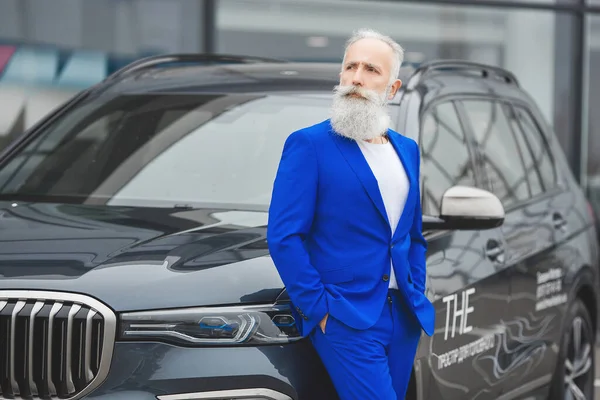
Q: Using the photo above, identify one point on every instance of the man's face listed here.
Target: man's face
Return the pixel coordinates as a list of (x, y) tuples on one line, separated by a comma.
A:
[(368, 64)]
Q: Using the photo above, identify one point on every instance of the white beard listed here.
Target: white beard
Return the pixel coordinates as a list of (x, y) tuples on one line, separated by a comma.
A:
[(359, 118)]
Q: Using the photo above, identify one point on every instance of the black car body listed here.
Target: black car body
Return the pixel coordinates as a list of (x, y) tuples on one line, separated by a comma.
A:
[(133, 260)]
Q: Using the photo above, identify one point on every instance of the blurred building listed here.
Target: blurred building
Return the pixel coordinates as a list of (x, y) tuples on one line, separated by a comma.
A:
[(51, 49)]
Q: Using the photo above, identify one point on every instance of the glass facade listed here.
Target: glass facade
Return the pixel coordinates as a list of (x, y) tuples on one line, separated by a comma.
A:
[(116, 27), (533, 44), (591, 140), (51, 50)]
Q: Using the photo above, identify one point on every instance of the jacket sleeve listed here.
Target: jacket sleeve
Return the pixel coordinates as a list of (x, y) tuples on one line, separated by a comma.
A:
[(291, 214), (418, 244)]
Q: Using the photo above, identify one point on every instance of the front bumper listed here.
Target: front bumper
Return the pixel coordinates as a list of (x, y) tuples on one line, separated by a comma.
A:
[(256, 393), (158, 371)]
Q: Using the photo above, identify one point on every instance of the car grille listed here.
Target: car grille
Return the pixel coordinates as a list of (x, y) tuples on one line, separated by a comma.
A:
[(53, 344)]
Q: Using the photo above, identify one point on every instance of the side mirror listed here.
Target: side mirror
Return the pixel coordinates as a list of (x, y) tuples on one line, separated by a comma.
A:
[(467, 208)]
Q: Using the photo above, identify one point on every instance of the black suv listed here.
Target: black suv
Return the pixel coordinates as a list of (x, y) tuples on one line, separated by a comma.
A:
[(133, 261)]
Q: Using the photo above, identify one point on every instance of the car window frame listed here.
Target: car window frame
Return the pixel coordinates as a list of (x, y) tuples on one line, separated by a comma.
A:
[(545, 144), (40, 127), (509, 108), (491, 99), (559, 188), (562, 180), (478, 178)]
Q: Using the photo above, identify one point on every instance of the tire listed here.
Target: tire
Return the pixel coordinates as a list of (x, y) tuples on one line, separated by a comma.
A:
[(575, 368)]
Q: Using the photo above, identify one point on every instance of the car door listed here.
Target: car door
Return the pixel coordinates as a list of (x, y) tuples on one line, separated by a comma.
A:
[(466, 272), (537, 283), (512, 174)]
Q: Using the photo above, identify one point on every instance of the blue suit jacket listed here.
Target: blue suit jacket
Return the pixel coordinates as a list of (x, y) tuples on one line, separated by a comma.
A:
[(329, 235)]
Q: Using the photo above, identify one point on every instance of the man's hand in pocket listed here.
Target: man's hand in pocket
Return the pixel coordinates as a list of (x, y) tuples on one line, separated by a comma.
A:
[(323, 322)]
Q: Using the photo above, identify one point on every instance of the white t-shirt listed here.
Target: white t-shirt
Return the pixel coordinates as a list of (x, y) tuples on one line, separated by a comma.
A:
[(392, 180)]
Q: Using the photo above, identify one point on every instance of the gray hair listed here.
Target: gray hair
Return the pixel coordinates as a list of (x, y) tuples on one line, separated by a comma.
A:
[(370, 33)]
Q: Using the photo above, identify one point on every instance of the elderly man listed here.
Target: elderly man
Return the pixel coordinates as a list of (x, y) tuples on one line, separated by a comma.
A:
[(345, 230)]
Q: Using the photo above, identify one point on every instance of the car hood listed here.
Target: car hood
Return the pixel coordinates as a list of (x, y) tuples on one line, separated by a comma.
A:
[(136, 258)]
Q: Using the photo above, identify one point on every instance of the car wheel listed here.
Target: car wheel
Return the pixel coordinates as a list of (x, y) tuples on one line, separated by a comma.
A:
[(574, 376)]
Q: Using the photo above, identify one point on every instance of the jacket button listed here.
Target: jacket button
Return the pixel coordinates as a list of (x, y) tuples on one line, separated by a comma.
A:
[(386, 278)]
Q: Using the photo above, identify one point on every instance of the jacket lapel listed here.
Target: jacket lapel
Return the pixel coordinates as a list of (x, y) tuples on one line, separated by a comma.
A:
[(395, 140), (352, 153)]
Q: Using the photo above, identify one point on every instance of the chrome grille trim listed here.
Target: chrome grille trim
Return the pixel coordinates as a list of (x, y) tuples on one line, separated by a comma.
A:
[(36, 308), (56, 344), (68, 370), (88, 346), (13, 346), (55, 309)]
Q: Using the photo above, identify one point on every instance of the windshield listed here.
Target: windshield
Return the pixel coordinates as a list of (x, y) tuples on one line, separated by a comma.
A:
[(162, 150)]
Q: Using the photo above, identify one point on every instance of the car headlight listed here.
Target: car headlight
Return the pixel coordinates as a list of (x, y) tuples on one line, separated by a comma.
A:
[(238, 325)]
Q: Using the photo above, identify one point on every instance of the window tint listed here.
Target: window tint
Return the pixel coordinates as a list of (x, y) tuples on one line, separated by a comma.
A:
[(498, 150), (539, 148), (531, 167), (445, 160), (162, 150)]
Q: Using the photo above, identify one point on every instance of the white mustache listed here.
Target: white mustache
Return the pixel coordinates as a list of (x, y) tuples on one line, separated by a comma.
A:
[(346, 90)]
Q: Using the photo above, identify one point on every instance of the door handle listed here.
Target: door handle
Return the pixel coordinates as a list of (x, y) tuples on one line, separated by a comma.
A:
[(558, 221), (494, 251)]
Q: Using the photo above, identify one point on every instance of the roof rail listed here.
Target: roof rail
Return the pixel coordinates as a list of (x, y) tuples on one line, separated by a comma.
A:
[(484, 69), (148, 62)]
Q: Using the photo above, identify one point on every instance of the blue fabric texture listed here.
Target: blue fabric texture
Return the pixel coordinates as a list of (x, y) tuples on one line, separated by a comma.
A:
[(329, 237), (370, 364), (330, 240)]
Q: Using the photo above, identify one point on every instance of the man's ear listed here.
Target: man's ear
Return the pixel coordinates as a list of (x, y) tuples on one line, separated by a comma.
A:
[(395, 86)]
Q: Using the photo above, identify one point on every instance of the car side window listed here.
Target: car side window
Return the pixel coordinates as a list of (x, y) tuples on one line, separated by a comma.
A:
[(539, 148), (445, 158), (531, 166), (498, 151)]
